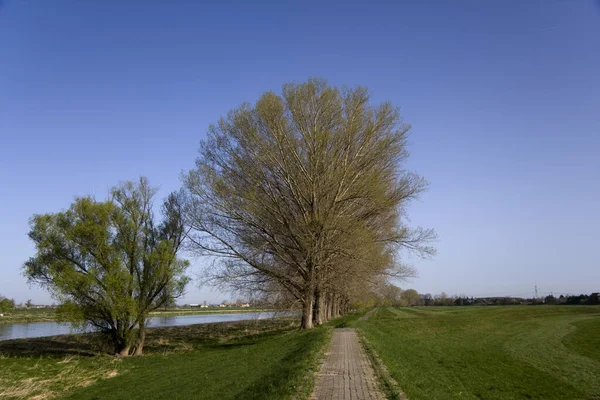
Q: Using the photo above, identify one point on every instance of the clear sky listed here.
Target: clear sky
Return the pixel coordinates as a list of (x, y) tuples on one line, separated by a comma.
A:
[(503, 96)]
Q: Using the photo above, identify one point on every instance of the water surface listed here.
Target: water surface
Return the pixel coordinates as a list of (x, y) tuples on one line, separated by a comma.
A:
[(40, 329)]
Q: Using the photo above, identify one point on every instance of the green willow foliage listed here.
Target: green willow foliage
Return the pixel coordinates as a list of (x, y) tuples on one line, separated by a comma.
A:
[(109, 263)]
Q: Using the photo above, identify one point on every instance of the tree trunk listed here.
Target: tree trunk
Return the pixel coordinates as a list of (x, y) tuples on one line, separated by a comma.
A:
[(119, 342), (122, 350), (318, 308), (336, 306), (330, 308), (307, 310), (139, 346), (323, 307)]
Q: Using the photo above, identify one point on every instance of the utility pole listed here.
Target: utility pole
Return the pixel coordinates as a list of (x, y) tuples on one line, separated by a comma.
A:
[(536, 293)]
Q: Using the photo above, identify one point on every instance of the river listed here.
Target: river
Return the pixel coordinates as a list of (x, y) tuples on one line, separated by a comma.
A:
[(40, 329)]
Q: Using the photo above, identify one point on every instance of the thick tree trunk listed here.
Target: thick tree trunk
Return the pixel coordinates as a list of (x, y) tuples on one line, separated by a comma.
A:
[(307, 317), (308, 298), (323, 307), (139, 346), (119, 342), (336, 306), (307, 308), (122, 350), (318, 308), (331, 306)]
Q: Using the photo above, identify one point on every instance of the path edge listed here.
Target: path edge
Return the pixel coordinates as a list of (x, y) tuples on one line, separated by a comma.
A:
[(390, 387), (308, 385)]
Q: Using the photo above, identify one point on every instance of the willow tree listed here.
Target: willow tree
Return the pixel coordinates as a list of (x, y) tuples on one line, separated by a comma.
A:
[(111, 263), (306, 190)]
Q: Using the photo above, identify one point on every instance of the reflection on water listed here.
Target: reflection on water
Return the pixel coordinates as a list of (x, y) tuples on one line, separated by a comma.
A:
[(39, 329)]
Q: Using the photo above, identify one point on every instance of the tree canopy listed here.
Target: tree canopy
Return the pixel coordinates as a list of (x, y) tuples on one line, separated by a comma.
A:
[(6, 304), (110, 263), (306, 194)]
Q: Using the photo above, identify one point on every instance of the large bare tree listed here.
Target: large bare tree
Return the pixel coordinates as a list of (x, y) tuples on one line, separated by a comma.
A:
[(307, 190)]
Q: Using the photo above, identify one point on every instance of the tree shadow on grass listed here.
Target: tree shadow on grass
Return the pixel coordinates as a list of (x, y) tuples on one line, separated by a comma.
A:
[(284, 379), (248, 340), (81, 345)]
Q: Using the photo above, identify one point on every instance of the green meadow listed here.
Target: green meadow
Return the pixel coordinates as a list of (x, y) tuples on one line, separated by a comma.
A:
[(512, 352), (265, 359)]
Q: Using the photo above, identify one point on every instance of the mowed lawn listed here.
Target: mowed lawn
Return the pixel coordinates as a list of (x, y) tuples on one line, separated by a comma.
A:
[(182, 363), (264, 368), (520, 352)]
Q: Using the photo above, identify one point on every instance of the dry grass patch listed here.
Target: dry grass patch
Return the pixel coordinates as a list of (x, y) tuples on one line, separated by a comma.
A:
[(47, 378)]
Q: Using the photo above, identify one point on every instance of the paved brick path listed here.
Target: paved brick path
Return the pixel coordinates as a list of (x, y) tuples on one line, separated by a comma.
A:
[(346, 373)]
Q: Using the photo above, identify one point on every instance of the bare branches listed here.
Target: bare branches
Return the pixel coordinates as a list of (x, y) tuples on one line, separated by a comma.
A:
[(305, 192)]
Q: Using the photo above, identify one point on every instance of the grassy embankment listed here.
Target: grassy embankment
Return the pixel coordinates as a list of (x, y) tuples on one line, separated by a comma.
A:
[(200, 311), (513, 352), (260, 359), (24, 315)]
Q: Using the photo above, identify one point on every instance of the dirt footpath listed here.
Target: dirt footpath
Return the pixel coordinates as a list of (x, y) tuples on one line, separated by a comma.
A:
[(367, 315), (346, 372)]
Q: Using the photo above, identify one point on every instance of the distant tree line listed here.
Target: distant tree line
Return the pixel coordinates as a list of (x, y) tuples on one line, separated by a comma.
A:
[(582, 299), (389, 295)]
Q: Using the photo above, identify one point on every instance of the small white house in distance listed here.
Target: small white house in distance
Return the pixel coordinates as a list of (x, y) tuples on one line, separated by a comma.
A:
[(245, 305), (204, 306)]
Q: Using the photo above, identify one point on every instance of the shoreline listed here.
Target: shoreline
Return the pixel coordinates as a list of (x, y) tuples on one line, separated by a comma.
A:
[(88, 337), (44, 315)]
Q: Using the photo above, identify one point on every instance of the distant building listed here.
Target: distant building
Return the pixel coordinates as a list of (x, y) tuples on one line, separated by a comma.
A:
[(194, 305)]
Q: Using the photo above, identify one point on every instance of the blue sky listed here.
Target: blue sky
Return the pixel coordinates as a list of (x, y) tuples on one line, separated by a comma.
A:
[(503, 96)]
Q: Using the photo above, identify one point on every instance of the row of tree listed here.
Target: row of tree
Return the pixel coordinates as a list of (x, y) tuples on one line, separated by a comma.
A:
[(390, 295), (582, 299), (303, 195), (299, 198), (387, 295)]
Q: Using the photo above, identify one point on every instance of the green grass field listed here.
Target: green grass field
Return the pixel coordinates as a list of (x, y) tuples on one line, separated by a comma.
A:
[(244, 360), (513, 352)]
